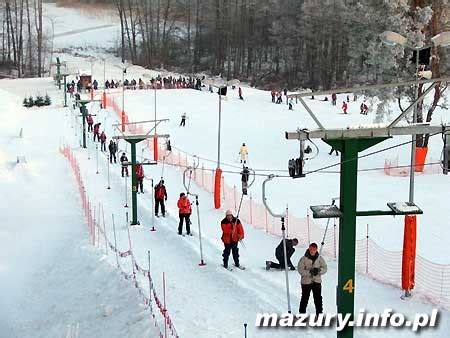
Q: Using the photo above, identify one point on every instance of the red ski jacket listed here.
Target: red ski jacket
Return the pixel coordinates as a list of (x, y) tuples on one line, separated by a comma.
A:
[(139, 171), (227, 229), (184, 205), (160, 192)]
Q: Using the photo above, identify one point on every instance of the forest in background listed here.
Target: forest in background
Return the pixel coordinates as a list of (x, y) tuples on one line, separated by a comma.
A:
[(314, 44)]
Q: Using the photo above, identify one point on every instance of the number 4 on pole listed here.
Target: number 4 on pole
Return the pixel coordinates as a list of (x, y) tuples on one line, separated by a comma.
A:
[(349, 286)]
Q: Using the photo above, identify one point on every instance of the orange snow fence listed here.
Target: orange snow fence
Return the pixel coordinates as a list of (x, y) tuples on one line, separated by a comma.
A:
[(217, 182), (104, 100), (123, 121), (409, 253), (421, 154), (155, 148)]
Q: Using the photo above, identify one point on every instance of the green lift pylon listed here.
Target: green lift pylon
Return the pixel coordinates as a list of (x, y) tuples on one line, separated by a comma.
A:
[(350, 142), (84, 114), (133, 140), (349, 149)]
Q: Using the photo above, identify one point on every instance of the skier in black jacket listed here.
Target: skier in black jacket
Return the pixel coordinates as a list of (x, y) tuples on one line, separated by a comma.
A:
[(279, 254)]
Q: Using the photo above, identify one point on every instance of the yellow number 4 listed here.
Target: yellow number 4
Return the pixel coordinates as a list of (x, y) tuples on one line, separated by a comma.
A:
[(349, 286)]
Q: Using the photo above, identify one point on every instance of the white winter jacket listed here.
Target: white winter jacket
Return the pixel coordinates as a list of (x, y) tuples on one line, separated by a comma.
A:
[(305, 265)]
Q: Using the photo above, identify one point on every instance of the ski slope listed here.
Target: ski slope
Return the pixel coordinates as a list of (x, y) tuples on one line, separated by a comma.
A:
[(55, 278)]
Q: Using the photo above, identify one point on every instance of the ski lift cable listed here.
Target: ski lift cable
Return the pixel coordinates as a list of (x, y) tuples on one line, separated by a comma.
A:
[(365, 155)]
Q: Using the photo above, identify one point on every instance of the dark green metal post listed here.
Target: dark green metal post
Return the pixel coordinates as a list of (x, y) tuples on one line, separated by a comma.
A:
[(347, 232), (84, 116), (345, 294), (134, 187), (58, 72)]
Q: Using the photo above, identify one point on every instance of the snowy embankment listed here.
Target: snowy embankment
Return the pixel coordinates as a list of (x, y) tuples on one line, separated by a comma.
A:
[(51, 279)]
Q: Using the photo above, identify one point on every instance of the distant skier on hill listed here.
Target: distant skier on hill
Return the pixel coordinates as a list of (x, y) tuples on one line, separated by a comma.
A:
[(240, 93), (183, 120), (243, 152), (344, 107)]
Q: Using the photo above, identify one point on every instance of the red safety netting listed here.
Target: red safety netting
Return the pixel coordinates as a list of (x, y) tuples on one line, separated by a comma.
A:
[(97, 232), (391, 168)]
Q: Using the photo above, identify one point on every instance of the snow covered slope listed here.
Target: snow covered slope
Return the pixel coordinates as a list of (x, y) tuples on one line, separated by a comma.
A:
[(50, 276)]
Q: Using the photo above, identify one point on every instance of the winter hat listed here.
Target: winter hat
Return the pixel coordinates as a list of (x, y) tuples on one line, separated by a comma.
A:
[(182, 194), (228, 212)]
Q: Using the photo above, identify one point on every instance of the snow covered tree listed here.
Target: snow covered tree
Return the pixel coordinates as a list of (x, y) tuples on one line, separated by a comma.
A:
[(30, 102), (39, 101), (47, 100)]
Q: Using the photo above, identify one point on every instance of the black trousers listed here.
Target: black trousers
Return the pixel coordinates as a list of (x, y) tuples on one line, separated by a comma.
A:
[(183, 122), (233, 247), (184, 217), (90, 127), (280, 264), (124, 171), (103, 146), (316, 289), (140, 183), (98, 137), (111, 157), (159, 202)]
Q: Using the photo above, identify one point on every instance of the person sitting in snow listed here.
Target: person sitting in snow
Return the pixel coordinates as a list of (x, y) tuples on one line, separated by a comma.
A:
[(279, 254)]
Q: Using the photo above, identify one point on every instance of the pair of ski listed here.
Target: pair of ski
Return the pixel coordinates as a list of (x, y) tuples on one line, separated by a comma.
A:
[(229, 268), (184, 235)]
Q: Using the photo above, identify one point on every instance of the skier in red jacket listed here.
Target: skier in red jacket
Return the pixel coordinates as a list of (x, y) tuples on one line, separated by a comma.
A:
[(233, 232), (103, 141), (90, 121), (344, 107), (240, 93), (184, 211), (97, 131), (140, 177), (160, 196)]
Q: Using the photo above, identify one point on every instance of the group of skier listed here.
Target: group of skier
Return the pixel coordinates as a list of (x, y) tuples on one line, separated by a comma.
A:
[(311, 266)]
